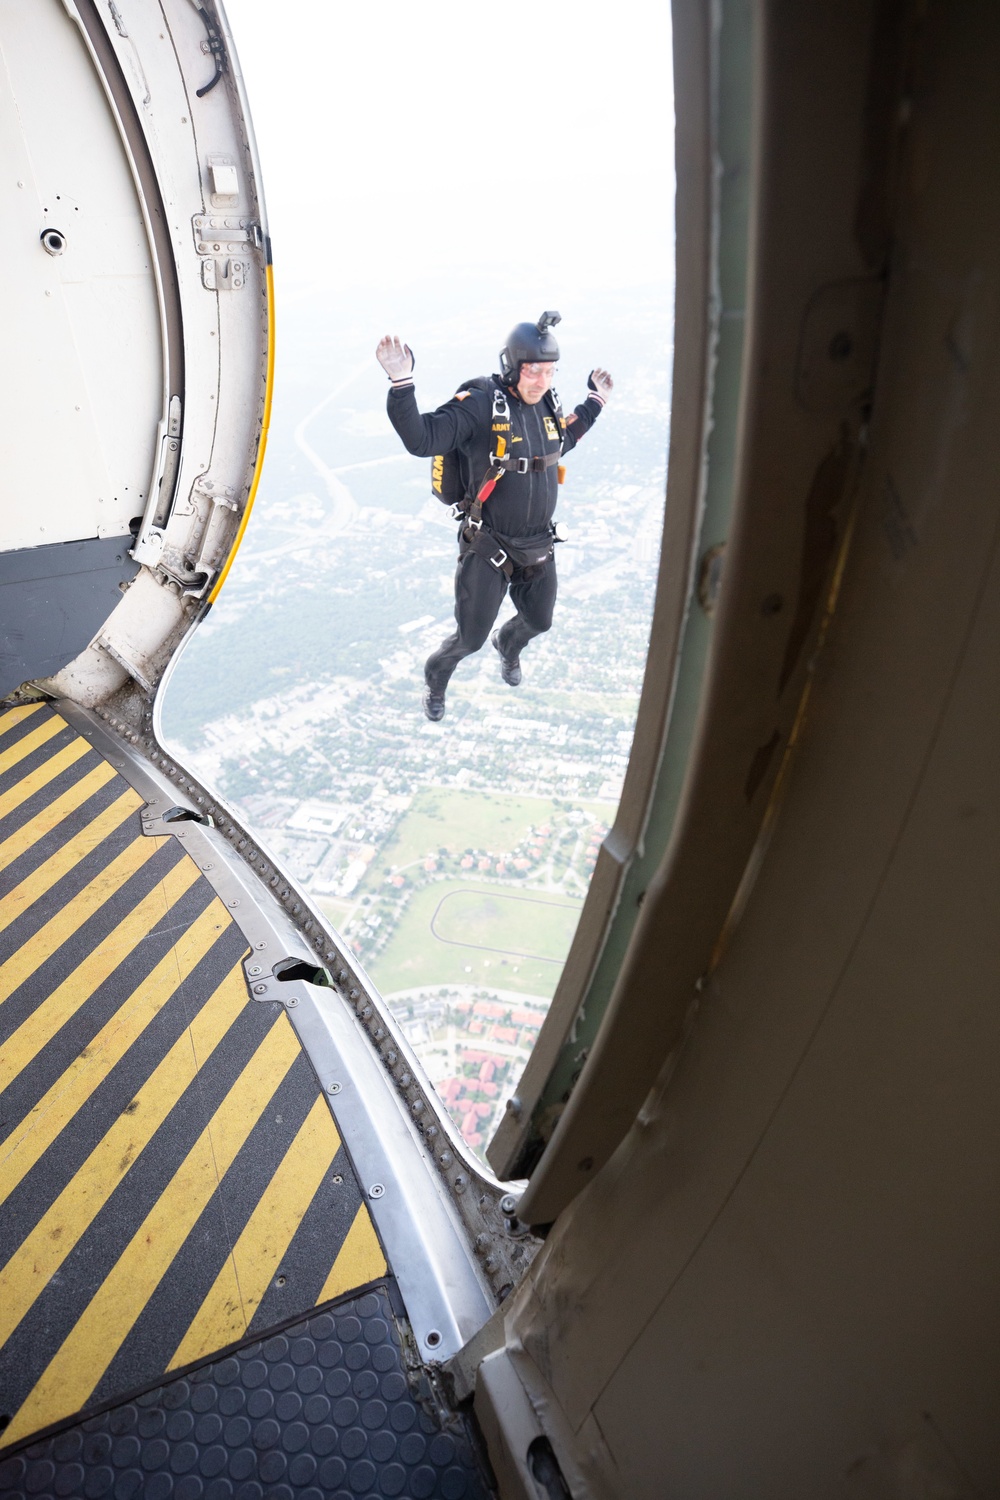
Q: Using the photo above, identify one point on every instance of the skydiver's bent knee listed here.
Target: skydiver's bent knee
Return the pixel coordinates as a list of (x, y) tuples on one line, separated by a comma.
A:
[(537, 620)]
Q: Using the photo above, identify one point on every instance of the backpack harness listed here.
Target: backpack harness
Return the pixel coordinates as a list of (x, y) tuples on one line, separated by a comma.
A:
[(445, 479)]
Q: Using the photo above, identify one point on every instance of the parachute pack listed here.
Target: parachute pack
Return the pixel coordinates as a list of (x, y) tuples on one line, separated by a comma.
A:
[(452, 479)]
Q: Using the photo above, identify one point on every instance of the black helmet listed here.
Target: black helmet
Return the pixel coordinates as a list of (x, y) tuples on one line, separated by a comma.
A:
[(529, 343)]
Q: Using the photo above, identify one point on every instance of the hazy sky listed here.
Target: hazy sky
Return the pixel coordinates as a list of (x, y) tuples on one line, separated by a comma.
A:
[(400, 139)]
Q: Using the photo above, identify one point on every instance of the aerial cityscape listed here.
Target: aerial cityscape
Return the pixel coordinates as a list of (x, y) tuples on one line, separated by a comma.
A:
[(451, 858)]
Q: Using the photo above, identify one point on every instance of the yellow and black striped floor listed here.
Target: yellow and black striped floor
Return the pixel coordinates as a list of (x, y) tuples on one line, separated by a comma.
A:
[(171, 1178)]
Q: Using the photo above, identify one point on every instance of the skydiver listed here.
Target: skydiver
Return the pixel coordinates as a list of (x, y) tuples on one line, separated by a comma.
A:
[(506, 435)]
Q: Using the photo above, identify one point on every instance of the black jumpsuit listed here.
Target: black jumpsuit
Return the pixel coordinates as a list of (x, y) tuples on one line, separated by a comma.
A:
[(518, 514)]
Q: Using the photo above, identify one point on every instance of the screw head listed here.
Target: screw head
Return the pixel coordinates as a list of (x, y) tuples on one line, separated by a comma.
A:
[(255, 969), (333, 1088), (376, 1190), (292, 1000), (260, 989), (508, 1203), (433, 1339), (235, 901)]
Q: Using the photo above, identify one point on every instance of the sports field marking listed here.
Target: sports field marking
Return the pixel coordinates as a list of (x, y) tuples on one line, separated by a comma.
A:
[(414, 955), (473, 914)]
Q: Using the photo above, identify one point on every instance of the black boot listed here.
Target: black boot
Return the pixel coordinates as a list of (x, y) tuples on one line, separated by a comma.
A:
[(510, 667), (434, 705)]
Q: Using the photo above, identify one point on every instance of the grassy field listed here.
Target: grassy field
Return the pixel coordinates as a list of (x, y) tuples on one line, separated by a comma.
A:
[(458, 821), (416, 955), (526, 926)]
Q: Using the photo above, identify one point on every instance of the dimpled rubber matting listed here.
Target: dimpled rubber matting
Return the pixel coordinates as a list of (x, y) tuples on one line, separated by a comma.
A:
[(321, 1411)]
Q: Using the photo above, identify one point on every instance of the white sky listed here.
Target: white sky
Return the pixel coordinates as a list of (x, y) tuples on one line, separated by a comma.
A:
[(399, 139)]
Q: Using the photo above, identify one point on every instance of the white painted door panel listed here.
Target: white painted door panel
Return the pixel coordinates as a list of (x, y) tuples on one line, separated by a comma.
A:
[(81, 384)]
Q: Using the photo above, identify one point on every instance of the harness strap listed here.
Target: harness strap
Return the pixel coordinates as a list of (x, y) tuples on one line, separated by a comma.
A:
[(527, 465), (474, 511), (485, 545), (501, 465)]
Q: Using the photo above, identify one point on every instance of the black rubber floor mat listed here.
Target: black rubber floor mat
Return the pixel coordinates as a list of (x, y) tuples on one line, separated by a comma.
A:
[(322, 1411)]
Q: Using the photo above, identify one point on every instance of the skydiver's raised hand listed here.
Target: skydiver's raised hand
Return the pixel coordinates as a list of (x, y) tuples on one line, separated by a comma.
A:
[(600, 382), (395, 358)]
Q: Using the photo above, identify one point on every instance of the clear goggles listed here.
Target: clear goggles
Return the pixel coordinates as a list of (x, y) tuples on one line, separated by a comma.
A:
[(545, 367)]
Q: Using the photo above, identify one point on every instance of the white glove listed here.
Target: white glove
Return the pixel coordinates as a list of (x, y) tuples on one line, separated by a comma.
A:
[(395, 358), (600, 382)]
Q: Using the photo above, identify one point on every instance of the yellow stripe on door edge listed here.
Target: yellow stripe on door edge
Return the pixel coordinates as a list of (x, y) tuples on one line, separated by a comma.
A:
[(76, 1370)]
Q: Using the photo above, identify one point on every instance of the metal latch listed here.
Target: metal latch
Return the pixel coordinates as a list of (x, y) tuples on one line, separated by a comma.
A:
[(223, 244), (224, 275), (148, 545)]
